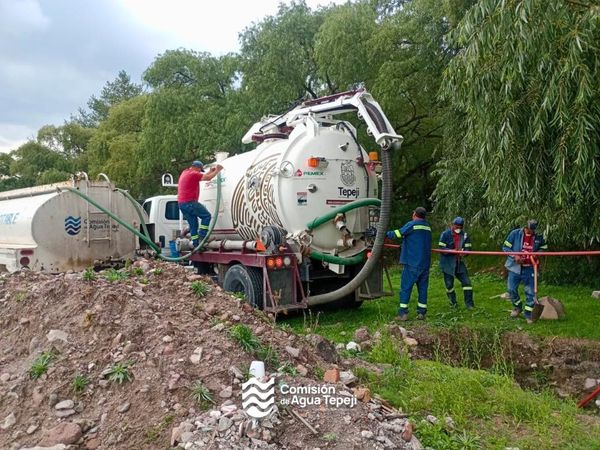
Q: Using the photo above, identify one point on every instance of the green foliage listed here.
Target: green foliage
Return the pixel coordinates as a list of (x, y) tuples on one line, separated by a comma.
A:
[(80, 382), (40, 364), (243, 335), (153, 433), (288, 369), (523, 93), (137, 271), (89, 274), (114, 275), (20, 296), (158, 271), (202, 395), (113, 93), (270, 356), (199, 288), (119, 373)]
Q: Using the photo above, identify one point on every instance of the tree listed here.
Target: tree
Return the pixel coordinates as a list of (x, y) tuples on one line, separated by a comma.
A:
[(112, 93), (195, 109), (278, 59), (115, 148), (34, 164), (524, 96)]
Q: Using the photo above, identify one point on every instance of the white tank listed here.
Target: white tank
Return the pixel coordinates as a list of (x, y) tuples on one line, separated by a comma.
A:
[(49, 229), (276, 185)]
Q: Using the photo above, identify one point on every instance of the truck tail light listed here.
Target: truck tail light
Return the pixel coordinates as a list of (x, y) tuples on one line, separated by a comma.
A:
[(24, 261), (271, 263), (287, 261), (317, 162), (279, 262), (27, 252)]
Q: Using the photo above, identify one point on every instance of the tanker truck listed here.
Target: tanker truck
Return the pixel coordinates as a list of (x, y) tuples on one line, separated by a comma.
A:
[(50, 228), (297, 216)]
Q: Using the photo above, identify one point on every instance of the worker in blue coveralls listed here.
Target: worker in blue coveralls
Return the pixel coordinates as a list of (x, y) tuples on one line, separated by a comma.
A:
[(520, 268), (416, 258), (453, 266)]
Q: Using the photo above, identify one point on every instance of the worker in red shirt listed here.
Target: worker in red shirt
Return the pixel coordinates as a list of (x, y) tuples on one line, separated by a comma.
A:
[(188, 193)]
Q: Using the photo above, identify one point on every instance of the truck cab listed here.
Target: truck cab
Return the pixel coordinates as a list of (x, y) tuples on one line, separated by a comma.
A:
[(164, 218)]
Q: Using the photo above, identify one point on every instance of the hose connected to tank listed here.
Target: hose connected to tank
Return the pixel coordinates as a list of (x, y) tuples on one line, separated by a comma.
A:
[(146, 235), (386, 201)]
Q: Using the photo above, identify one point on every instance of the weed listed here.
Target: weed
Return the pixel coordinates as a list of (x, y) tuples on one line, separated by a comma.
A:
[(330, 437), (288, 369), (201, 394), (244, 336), (114, 275), (311, 323), (144, 280), (20, 296), (199, 288), (80, 382), (89, 274), (268, 354), (319, 372), (119, 373), (153, 433), (40, 365), (238, 295), (137, 271), (158, 271)]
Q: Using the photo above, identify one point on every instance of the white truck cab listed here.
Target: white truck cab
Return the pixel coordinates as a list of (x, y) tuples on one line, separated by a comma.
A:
[(164, 218)]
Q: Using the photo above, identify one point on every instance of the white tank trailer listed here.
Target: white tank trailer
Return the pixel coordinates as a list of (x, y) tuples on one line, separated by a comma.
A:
[(49, 228), (288, 181)]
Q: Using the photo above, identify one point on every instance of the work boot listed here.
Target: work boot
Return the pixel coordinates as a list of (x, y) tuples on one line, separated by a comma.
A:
[(515, 313), (401, 318), (420, 316)]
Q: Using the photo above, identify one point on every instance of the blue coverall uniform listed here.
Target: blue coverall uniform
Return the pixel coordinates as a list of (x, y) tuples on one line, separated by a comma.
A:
[(453, 266), (416, 258), (518, 273)]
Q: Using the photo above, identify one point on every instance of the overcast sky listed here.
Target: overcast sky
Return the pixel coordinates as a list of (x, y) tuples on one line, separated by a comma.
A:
[(55, 54)]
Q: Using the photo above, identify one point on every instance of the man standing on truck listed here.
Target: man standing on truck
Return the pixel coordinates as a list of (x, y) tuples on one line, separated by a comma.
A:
[(520, 268), (188, 193), (453, 266), (416, 258)]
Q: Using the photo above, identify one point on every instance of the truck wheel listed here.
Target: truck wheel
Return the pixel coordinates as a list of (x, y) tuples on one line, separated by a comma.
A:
[(246, 280)]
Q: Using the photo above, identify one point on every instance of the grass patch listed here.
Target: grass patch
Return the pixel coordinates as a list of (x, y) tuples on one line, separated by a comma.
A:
[(114, 275), (119, 373), (41, 364), (199, 288), (80, 382), (489, 409), (153, 433), (202, 395), (243, 335), (89, 274), (580, 321)]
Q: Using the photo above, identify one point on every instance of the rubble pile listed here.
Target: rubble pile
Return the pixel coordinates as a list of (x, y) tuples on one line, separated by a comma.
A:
[(143, 357)]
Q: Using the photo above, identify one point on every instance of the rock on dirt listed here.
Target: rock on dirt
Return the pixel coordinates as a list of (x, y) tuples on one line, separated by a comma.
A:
[(596, 294), (63, 433)]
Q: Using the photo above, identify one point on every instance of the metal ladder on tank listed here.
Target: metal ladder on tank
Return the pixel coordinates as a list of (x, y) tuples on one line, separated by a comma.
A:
[(90, 213)]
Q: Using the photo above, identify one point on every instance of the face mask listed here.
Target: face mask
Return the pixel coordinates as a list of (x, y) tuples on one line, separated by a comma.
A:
[(457, 230)]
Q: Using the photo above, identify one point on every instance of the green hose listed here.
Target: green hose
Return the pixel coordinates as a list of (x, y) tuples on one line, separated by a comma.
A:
[(342, 209), (146, 237), (357, 259)]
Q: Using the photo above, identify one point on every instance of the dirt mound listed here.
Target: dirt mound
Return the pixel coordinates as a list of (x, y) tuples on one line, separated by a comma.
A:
[(91, 363)]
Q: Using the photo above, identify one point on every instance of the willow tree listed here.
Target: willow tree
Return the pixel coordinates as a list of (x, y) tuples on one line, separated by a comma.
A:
[(523, 125)]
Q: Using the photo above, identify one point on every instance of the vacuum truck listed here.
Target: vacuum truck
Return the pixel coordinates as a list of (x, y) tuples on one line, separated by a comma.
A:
[(297, 216), (297, 221)]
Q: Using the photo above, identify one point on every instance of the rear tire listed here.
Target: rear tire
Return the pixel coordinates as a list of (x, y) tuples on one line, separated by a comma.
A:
[(247, 280)]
